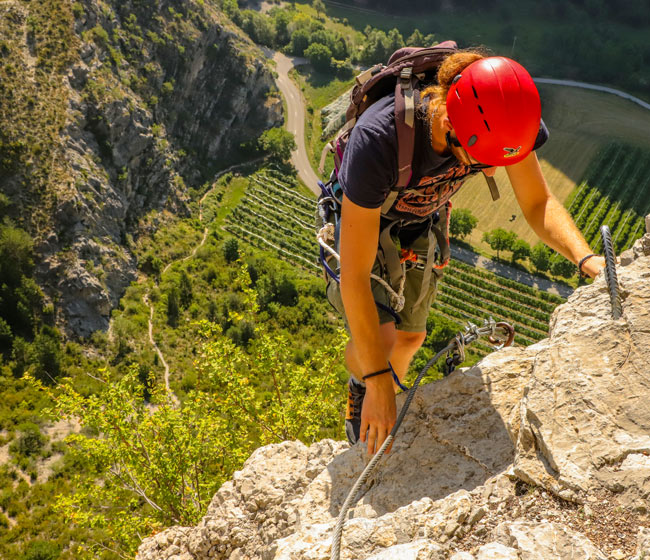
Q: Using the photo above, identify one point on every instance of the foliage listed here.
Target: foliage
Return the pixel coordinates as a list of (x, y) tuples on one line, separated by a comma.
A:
[(266, 392), (563, 267), (278, 143), (540, 257), (500, 240), (42, 550), (380, 45), (160, 464), (520, 250), (185, 290), (461, 223), (231, 249), (612, 192), (173, 307), (30, 441), (21, 300), (319, 56)]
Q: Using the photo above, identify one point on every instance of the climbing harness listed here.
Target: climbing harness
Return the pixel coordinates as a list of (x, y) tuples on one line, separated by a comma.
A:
[(394, 259), (610, 273), (471, 333)]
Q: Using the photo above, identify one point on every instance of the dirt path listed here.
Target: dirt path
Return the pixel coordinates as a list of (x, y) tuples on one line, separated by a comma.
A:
[(145, 297)]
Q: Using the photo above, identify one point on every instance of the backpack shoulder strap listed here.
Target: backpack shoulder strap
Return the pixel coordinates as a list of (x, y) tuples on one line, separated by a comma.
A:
[(405, 101)]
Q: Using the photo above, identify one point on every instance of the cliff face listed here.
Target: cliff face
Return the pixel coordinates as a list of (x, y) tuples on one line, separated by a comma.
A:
[(116, 107), (539, 453)]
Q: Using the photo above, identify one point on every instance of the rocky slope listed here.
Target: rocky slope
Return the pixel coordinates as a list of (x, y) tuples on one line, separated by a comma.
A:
[(116, 109), (536, 453)]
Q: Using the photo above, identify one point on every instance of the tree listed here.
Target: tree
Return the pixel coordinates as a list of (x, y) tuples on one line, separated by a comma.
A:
[(231, 250), (540, 257), (173, 307), (278, 143), (563, 267), (320, 56), (185, 295), (500, 240), (416, 39), (156, 466), (520, 250), (259, 27), (299, 41), (461, 223), (319, 6), (395, 40)]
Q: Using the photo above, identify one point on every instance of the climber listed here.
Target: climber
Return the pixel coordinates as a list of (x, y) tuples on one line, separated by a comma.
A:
[(483, 112)]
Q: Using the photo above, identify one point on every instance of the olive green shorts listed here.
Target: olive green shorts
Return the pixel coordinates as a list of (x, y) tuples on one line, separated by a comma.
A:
[(412, 319)]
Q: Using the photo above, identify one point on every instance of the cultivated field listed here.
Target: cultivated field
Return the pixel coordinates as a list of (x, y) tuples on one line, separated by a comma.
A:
[(273, 216), (582, 125)]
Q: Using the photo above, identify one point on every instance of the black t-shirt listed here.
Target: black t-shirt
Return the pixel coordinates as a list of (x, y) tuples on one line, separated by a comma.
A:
[(369, 166)]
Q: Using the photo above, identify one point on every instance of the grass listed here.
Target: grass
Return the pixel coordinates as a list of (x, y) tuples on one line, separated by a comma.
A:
[(581, 124)]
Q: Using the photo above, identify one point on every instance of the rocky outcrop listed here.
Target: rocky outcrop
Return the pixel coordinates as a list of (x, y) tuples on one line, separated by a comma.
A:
[(147, 103), (539, 453)]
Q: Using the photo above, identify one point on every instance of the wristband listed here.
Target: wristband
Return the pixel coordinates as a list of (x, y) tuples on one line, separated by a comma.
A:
[(583, 260), (375, 373)]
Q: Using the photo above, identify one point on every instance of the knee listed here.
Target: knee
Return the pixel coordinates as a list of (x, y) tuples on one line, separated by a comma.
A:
[(411, 340)]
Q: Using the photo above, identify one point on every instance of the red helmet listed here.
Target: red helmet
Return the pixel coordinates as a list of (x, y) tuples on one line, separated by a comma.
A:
[(495, 110)]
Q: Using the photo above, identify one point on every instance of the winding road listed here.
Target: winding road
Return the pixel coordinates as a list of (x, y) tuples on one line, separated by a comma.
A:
[(295, 119)]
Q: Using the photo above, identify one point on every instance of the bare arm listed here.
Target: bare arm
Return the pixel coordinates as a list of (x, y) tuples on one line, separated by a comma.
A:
[(548, 218), (358, 247)]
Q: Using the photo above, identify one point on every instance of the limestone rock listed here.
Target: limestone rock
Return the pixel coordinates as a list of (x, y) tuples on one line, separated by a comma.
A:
[(541, 541), (462, 556), (643, 544), (497, 551), (567, 414), (584, 415)]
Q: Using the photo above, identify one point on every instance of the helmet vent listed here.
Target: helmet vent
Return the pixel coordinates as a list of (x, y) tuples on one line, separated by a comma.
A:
[(487, 126), (474, 90), (480, 109)]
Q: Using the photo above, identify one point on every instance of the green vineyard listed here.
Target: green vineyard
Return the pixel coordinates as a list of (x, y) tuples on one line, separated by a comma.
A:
[(274, 216), (615, 192)]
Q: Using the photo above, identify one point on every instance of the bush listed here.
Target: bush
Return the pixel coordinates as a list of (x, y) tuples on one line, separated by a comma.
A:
[(30, 441), (41, 550)]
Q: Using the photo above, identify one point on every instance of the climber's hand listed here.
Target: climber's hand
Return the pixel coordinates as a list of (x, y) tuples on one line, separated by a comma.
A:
[(593, 266), (379, 412)]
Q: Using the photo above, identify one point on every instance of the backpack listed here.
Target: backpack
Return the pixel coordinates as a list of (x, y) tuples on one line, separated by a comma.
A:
[(407, 69)]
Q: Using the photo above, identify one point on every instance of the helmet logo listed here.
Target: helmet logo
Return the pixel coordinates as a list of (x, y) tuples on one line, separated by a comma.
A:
[(511, 152)]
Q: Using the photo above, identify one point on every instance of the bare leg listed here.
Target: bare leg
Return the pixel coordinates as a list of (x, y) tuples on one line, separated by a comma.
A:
[(401, 347), (407, 344)]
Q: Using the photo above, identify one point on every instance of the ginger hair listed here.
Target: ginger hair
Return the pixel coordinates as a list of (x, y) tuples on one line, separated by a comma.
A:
[(453, 65)]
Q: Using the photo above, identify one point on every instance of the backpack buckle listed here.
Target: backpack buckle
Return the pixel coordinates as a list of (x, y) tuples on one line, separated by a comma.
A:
[(405, 77)]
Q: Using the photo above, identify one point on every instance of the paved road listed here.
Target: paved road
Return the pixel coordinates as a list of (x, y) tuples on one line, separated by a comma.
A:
[(506, 271), (295, 119), (585, 85)]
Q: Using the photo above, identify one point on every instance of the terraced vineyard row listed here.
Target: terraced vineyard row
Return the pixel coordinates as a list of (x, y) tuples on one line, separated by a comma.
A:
[(273, 216), (616, 192)]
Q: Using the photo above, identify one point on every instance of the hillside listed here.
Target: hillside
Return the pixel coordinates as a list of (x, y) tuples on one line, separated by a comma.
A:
[(538, 454), (111, 111)]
